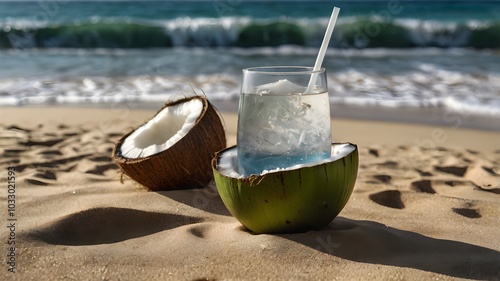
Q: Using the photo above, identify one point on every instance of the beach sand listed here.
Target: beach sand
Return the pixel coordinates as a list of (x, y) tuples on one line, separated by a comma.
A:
[(426, 205)]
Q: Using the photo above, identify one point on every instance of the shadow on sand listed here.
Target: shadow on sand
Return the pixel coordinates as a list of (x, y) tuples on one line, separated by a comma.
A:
[(107, 225), (372, 242)]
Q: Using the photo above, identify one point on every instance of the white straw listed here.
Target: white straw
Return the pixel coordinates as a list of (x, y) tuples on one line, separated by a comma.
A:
[(324, 46)]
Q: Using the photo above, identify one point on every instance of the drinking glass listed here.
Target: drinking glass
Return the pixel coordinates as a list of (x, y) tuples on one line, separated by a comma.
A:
[(283, 118)]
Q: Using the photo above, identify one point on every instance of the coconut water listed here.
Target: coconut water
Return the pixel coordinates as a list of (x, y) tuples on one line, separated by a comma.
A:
[(282, 128)]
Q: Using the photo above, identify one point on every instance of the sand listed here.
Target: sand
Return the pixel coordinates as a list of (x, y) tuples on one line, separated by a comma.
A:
[(426, 205)]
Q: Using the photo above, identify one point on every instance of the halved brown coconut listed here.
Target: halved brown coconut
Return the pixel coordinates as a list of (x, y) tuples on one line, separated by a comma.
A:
[(173, 149)]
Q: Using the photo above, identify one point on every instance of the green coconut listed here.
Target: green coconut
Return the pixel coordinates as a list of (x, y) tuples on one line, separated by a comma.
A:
[(300, 198)]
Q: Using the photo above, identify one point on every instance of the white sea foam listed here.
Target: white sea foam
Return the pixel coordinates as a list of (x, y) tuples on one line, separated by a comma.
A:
[(427, 87)]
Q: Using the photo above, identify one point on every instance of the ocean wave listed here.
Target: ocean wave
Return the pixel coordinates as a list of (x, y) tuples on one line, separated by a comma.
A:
[(354, 33), (427, 87)]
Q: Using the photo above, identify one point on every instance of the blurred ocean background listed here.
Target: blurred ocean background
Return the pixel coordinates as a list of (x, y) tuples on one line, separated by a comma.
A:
[(413, 56)]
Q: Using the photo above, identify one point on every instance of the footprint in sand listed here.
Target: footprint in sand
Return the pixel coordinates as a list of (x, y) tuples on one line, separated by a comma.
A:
[(109, 225), (63, 126), (491, 171), (379, 179), (472, 151), (389, 164), (423, 186), (47, 143), (454, 170), (388, 198), (54, 164), (101, 159), (98, 167), (42, 178), (467, 212), (492, 190), (35, 182), (383, 178), (11, 156), (48, 175), (373, 152), (51, 153), (70, 134), (114, 135), (464, 189), (424, 173), (99, 170), (10, 162), (12, 152), (17, 128)]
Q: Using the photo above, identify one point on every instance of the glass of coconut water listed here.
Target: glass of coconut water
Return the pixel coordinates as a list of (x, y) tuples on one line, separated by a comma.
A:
[(283, 118)]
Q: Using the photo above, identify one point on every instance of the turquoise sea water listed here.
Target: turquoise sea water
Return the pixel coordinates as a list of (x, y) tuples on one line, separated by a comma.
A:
[(161, 24), (389, 54)]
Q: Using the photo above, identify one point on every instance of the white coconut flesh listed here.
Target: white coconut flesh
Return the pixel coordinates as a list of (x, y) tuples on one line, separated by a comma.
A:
[(228, 161), (162, 131)]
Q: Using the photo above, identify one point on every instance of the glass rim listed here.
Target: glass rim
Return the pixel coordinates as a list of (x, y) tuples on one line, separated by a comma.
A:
[(283, 70)]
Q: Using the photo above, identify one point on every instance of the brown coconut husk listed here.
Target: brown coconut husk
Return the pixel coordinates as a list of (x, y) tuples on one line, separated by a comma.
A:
[(184, 165)]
